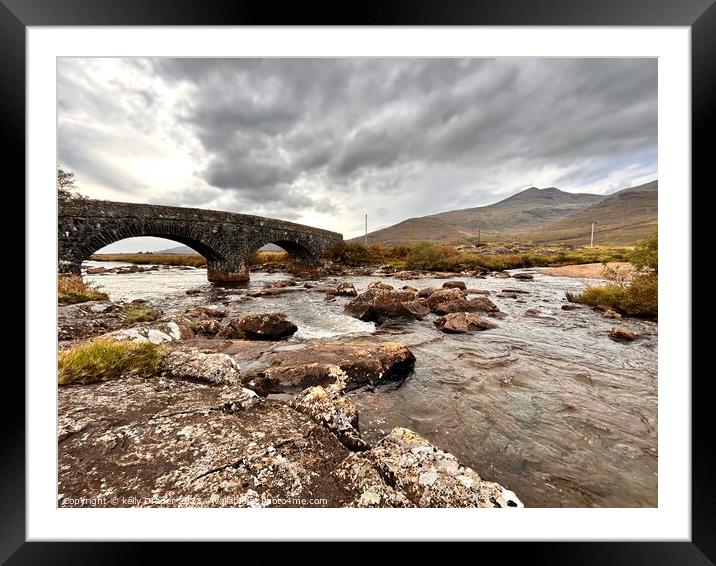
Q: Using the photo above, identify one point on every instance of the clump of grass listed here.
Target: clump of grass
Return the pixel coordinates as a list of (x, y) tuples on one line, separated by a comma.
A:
[(636, 297), (71, 289), (135, 312), (103, 360)]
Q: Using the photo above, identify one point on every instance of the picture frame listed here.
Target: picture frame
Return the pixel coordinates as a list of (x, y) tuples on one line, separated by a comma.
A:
[(699, 15)]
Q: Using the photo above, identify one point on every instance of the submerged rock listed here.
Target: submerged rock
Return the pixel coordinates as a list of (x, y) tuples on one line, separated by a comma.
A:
[(455, 285), (523, 276), (463, 322), (619, 334), (405, 470), (343, 290), (267, 326)]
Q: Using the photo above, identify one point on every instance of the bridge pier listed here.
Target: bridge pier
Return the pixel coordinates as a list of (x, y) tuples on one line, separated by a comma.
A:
[(225, 273), (69, 267)]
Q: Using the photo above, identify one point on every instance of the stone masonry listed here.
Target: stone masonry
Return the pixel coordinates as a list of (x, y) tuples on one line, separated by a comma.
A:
[(225, 239)]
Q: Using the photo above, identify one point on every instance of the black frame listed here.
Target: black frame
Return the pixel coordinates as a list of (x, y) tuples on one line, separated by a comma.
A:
[(699, 15)]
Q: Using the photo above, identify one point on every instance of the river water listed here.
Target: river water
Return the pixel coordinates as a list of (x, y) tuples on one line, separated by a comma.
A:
[(549, 406)]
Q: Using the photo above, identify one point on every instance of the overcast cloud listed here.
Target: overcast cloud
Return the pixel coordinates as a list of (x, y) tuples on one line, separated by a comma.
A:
[(323, 141)]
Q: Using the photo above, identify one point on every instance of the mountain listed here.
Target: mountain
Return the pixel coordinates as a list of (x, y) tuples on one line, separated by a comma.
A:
[(184, 250), (621, 218), (526, 210)]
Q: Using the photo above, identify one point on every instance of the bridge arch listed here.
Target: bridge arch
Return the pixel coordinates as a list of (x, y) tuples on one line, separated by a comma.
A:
[(225, 239)]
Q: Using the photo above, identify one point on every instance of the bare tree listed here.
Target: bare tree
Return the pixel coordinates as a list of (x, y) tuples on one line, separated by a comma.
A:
[(66, 188)]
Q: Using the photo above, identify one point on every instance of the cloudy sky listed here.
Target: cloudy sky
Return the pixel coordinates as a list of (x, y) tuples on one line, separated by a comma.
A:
[(323, 141)]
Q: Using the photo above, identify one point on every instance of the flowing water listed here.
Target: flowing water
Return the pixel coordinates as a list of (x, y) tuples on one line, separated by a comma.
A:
[(548, 406)]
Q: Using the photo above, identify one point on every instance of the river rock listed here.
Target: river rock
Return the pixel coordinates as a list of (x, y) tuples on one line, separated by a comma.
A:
[(447, 301), (425, 293), (168, 330), (161, 442), (501, 274), (85, 320), (518, 291), (507, 295), (471, 291), (619, 334), (378, 305), (96, 270), (405, 470), (409, 288), (217, 369), (533, 312), (523, 276), (337, 413), (611, 313), (201, 311), (462, 323), (280, 284), (207, 327), (444, 295), (195, 291), (571, 307), (267, 326), (380, 285), (343, 290), (324, 363), (455, 285)]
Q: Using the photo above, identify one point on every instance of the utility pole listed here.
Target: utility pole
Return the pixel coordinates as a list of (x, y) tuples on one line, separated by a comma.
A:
[(591, 241), (366, 229)]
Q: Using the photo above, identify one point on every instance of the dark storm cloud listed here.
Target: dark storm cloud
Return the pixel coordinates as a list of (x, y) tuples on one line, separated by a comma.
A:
[(337, 136)]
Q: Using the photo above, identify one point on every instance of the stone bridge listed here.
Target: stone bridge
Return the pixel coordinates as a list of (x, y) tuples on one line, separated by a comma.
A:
[(225, 239)]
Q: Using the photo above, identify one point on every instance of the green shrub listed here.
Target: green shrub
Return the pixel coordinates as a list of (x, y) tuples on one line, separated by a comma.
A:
[(349, 253), (638, 297), (645, 255), (105, 359), (430, 257)]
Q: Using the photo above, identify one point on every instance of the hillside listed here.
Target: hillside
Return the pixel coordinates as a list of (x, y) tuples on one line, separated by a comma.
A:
[(529, 209), (620, 219)]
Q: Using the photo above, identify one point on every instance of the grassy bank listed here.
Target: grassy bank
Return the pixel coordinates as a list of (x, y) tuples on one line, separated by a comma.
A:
[(71, 289), (103, 360), (423, 256), (192, 260), (637, 296), (435, 257)]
